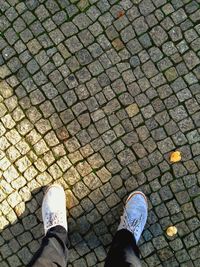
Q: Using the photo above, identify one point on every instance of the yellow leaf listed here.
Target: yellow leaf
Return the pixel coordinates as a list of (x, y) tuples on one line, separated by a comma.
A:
[(171, 231), (175, 156), (120, 14)]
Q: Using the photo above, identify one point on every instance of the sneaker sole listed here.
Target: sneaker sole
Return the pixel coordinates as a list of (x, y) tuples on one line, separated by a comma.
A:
[(136, 193)]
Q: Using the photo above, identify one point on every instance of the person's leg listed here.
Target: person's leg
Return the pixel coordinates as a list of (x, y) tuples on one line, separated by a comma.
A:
[(124, 251), (53, 251)]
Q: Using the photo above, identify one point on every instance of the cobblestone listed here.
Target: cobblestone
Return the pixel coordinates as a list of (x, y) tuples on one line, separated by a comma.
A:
[(95, 95)]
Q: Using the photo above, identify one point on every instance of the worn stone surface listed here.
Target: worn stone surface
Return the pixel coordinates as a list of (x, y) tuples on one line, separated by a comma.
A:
[(95, 95)]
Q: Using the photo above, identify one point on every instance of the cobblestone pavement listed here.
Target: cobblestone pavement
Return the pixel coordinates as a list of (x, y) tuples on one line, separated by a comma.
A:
[(96, 95)]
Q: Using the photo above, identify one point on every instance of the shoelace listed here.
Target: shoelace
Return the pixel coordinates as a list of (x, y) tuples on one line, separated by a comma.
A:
[(134, 226), (54, 218)]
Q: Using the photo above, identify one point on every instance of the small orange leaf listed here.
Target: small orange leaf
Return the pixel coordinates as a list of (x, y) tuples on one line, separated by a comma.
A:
[(171, 231), (175, 156), (120, 14)]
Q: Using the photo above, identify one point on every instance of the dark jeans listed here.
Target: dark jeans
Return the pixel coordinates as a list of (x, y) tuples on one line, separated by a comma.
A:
[(54, 250)]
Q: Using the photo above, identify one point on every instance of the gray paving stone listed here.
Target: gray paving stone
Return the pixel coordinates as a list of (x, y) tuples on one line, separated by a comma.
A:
[(82, 21), (96, 29), (84, 57), (191, 59), (93, 12), (86, 37), (134, 46)]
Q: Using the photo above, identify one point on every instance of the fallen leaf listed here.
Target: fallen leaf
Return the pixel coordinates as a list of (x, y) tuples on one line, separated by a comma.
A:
[(171, 231), (120, 13), (175, 156)]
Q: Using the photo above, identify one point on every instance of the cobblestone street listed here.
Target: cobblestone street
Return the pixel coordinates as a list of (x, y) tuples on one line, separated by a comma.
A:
[(96, 95)]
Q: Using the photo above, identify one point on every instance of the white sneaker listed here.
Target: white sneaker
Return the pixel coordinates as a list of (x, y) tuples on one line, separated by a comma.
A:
[(54, 207), (135, 214)]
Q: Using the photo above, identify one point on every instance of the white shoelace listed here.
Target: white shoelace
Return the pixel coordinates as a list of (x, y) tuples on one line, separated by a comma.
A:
[(54, 218), (134, 226)]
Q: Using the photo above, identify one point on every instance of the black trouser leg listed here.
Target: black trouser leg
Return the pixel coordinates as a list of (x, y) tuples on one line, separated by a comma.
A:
[(54, 249), (124, 251)]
